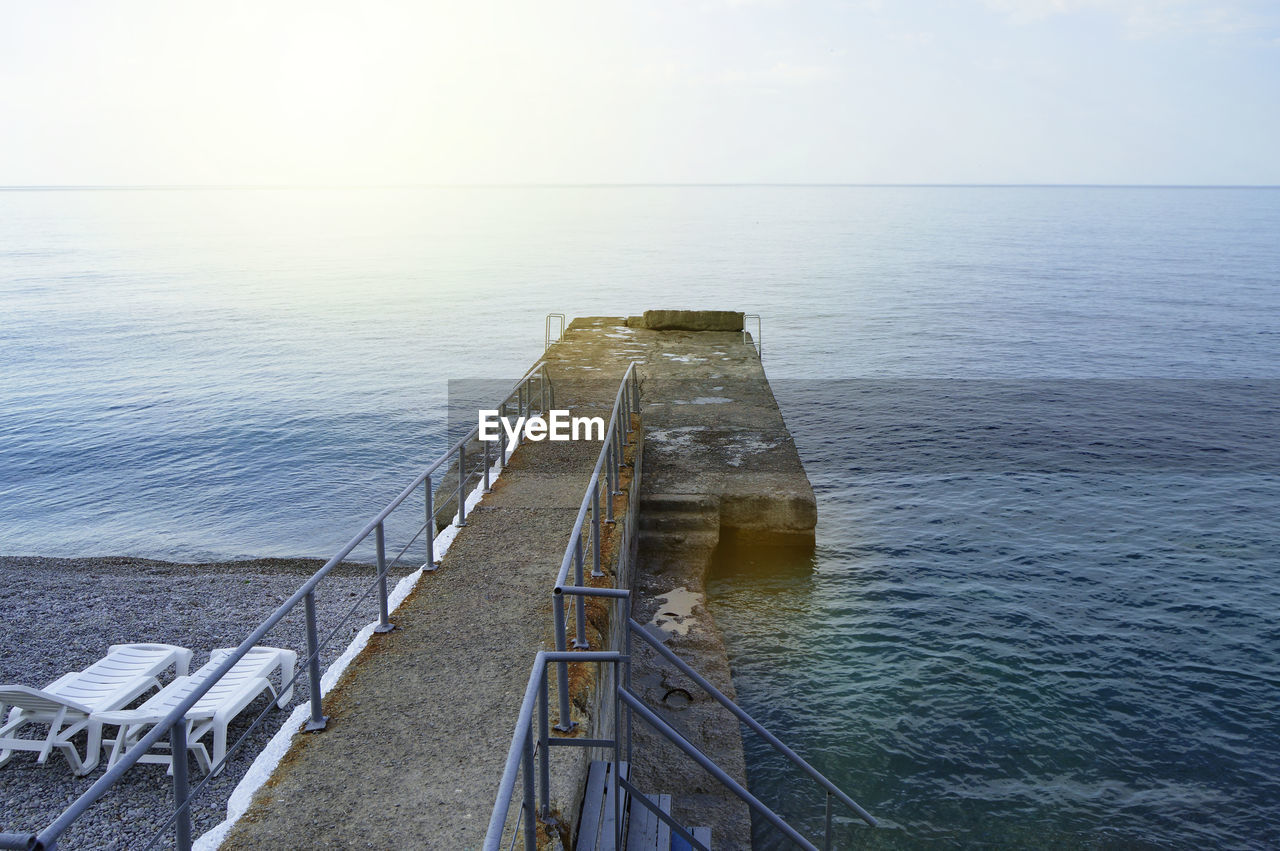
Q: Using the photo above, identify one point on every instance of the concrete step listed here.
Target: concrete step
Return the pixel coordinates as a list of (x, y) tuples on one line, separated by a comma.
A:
[(671, 520), (679, 502), (647, 832), (683, 539)]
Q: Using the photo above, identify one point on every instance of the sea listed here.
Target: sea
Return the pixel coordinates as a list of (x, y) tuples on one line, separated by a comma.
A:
[(1041, 423)]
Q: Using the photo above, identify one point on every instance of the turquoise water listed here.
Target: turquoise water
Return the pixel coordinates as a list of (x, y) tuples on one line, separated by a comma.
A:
[(997, 643)]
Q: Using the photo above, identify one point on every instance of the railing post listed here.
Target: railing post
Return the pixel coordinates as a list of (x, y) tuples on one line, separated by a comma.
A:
[(622, 436), (182, 814), (544, 733), (579, 601), (384, 617), (562, 672), (626, 628), (610, 465), (502, 434), (617, 763), (487, 489), (318, 720), (462, 483), (611, 483), (826, 843), (530, 813), (595, 527), (431, 527), (619, 461)]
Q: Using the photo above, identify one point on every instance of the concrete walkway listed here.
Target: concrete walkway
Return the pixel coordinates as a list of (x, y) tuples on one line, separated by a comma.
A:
[(420, 723)]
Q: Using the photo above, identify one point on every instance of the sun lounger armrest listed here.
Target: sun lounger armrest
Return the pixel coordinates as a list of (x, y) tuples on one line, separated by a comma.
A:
[(129, 717)]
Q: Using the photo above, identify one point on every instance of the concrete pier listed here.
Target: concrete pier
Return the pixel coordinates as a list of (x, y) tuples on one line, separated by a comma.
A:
[(421, 721), (719, 468)]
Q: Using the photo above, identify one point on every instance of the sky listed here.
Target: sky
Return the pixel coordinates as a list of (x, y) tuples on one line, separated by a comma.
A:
[(282, 92)]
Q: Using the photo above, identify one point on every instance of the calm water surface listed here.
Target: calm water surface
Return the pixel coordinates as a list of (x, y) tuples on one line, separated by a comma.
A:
[(988, 647)]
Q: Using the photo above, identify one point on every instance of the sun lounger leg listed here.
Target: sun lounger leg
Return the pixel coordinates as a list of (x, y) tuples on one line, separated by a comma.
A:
[(55, 726), (93, 749), (288, 670)]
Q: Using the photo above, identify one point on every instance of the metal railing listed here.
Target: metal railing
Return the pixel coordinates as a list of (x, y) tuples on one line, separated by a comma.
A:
[(833, 792), (529, 755), (758, 340), (602, 487), (522, 396), (547, 341), (530, 744)]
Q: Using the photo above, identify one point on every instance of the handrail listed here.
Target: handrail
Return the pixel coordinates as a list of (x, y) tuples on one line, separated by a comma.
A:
[(523, 754), (506, 787), (755, 725), (638, 797), (626, 402), (182, 822), (547, 337), (595, 472), (669, 733), (759, 341), (520, 755)]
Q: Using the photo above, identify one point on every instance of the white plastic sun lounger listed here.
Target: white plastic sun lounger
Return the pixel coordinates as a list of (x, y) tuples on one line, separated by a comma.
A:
[(215, 710), (67, 705)]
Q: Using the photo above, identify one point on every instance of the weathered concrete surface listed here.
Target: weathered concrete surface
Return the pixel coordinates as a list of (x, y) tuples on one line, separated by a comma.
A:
[(688, 320), (421, 721), (719, 463)]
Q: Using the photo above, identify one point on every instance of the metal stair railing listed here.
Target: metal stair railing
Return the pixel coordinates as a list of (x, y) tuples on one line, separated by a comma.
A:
[(528, 758), (832, 790), (522, 395), (546, 340), (530, 745), (758, 340)]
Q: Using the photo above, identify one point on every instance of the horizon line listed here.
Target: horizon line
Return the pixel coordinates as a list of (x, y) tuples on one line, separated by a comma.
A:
[(19, 187)]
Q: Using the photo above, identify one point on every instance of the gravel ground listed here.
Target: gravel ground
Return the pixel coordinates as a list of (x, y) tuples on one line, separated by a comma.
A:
[(61, 615)]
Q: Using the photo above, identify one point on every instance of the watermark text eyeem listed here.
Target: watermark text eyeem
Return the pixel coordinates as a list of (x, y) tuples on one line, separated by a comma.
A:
[(557, 424)]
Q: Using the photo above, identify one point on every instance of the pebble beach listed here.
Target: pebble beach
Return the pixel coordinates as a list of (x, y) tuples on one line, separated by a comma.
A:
[(62, 614)]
